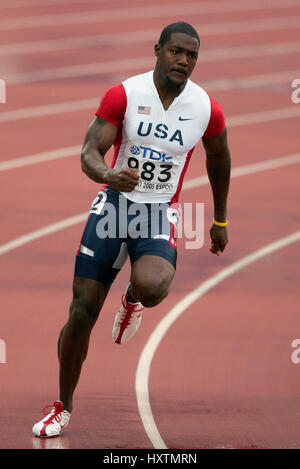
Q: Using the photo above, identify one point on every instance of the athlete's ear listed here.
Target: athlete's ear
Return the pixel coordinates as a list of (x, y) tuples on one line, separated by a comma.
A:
[(157, 50)]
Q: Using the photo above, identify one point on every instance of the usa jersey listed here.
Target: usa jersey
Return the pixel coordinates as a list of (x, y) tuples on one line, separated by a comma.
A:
[(158, 143)]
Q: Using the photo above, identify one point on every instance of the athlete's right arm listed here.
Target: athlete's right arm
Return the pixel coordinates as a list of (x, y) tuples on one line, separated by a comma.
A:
[(100, 136)]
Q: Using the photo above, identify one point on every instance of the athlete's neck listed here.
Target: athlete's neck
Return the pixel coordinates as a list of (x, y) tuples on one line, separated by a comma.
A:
[(166, 89)]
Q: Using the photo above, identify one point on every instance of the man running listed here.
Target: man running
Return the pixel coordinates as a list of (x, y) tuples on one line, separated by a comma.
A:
[(154, 120)]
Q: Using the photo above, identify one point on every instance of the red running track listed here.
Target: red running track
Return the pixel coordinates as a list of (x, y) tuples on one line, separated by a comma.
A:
[(223, 375)]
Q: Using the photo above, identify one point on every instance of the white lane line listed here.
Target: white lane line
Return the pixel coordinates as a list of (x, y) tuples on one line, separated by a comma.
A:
[(98, 68), (40, 157), (139, 63), (145, 360), (274, 78), (125, 14), (30, 3), (49, 109), (243, 52), (132, 37), (264, 116), (236, 172), (47, 230), (254, 81), (234, 121), (247, 169)]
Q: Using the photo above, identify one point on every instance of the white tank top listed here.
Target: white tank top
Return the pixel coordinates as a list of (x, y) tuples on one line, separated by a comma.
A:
[(155, 141)]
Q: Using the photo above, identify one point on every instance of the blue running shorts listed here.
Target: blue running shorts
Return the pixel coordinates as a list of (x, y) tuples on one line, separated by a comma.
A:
[(117, 228)]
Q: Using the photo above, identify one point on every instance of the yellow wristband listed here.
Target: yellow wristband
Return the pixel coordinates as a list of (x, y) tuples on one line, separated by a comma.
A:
[(218, 223)]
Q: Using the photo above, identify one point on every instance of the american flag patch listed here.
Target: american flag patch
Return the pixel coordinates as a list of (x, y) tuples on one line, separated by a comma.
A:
[(144, 110)]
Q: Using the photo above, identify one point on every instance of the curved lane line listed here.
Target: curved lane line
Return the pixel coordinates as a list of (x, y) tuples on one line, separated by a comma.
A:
[(34, 235), (144, 364)]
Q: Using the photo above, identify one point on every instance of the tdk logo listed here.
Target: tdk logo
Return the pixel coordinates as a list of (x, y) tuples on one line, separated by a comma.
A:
[(161, 131), (150, 154), (135, 150)]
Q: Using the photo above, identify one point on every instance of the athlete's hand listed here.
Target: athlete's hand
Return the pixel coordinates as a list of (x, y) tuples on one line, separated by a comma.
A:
[(123, 180), (219, 239)]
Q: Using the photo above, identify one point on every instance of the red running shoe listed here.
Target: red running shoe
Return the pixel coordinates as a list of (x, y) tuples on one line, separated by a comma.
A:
[(127, 321), (56, 419)]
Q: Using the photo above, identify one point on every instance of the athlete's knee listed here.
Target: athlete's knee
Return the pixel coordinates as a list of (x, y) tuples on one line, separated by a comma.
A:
[(150, 293), (150, 298), (82, 314)]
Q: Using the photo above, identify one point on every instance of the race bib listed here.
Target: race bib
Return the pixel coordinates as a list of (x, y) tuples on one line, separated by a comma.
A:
[(98, 203), (157, 169)]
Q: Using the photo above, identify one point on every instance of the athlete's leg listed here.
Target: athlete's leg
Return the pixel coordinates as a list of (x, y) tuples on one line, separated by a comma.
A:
[(98, 261), (151, 276), (88, 298), (150, 280), (153, 256), (152, 250)]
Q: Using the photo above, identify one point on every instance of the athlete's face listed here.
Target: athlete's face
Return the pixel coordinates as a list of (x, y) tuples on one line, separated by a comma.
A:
[(177, 58)]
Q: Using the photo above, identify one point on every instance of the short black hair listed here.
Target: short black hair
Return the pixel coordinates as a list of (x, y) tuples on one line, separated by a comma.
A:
[(178, 27)]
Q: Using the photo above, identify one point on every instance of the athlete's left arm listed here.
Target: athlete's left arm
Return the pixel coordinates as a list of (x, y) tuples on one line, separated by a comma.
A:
[(218, 164)]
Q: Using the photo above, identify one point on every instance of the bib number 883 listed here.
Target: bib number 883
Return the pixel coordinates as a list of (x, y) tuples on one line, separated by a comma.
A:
[(148, 170)]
